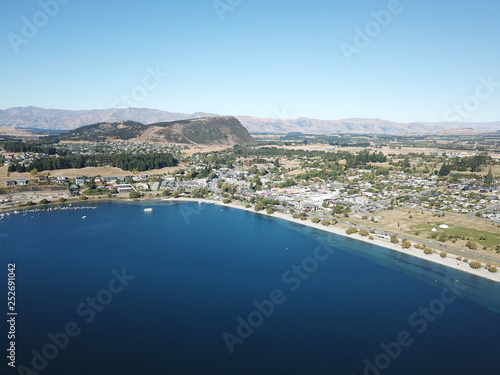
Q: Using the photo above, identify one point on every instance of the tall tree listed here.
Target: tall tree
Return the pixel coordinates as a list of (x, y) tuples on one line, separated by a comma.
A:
[(445, 170), (488, 181)]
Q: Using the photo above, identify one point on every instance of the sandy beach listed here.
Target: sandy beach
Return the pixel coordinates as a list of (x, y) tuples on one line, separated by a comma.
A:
[(449, 261)]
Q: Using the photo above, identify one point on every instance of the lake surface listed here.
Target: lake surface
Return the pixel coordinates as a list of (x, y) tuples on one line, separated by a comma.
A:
[(166, 292)]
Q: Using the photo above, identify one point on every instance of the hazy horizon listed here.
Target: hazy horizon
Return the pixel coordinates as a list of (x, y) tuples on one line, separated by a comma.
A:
[(244, 115), (398, 60)]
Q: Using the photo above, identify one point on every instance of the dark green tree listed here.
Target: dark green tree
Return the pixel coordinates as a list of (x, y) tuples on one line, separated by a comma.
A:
[(488, 181), (445, 170)]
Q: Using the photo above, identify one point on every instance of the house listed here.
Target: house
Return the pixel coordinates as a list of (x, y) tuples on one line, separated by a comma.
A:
[(62, 180), (11, 183), (124, 188), (280, 208), (310, 207), (110, 180), (307, 207), (22, 182), (166, 185)]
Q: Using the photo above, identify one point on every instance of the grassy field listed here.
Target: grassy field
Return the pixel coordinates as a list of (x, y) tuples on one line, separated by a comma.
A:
[(419, 224), (492, 236), (88, 171)]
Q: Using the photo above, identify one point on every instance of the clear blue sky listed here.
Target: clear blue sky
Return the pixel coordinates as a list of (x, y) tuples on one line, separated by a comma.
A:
[(265, 58)]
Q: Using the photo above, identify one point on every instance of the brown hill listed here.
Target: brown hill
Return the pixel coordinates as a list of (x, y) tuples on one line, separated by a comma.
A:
[(224, 131)]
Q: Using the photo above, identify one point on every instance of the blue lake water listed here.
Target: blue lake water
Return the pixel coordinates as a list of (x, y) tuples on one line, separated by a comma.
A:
[(189, 274)]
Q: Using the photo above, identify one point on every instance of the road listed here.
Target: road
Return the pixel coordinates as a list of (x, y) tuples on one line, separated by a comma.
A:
[(413, 239)]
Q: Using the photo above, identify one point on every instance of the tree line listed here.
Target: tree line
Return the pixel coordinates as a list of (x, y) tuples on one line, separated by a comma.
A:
[(361, 158), (470, 163), (125, 161), (36, 147)]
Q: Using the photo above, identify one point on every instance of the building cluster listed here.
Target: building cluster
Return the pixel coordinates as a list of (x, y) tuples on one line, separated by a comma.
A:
[(356, 191)]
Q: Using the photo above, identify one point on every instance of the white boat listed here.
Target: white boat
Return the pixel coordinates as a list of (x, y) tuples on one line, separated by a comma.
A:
[(148, 210), (84, 217)]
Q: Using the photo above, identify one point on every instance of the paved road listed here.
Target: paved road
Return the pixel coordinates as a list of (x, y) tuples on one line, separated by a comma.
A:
[(410, 238), (496, 207)]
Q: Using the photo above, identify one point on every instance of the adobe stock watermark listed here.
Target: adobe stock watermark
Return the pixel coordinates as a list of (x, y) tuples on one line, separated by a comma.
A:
[(151, 81), (283, 114), (223, 6), (363, 37), (31, 26), (484, 91), (189, 209), (418, 321), (87, 311), (293, 278)]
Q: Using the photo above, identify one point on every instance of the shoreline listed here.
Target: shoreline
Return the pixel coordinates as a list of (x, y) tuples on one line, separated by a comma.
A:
[(449, 261)]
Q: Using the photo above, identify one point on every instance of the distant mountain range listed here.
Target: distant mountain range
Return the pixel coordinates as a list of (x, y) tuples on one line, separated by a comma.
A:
[(220, 130), (41, 118)]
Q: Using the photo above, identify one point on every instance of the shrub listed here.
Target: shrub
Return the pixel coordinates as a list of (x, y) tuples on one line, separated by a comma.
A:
[(459, 258), (371, 238), (364, 232), (259, 206), (443, 255), (471, 245), (325, 222), (270, 210), (406, 244), (492, 269), (351, 230), (134, 195), (315, 220), (394, 239), (44, 201), (475, 265), (427, 251)]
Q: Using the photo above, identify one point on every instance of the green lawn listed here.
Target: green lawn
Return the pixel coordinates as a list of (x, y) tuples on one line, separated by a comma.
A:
[(492, 235)]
